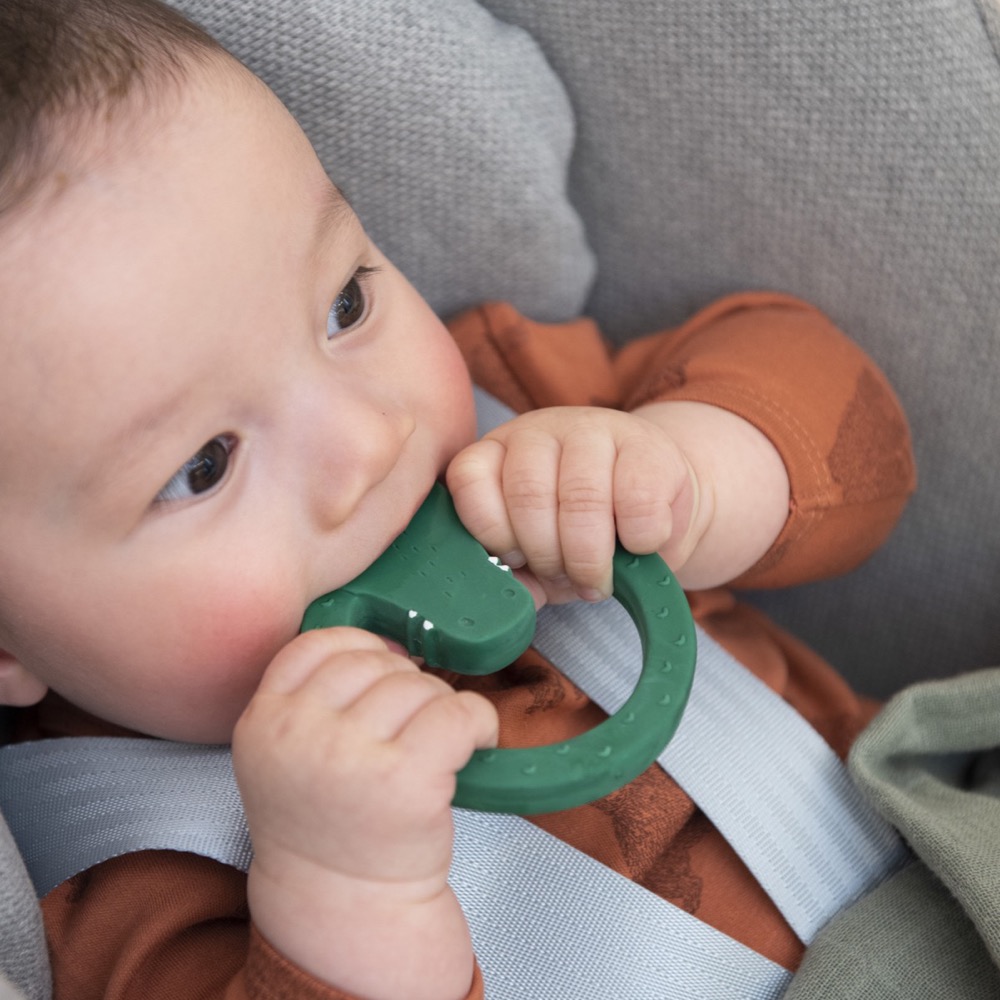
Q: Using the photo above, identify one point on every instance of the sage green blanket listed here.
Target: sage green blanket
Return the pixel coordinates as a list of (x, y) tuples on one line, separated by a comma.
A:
[(930, 763)]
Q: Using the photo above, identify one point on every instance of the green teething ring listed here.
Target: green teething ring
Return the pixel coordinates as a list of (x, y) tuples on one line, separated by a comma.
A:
[(589, 766), (436, 591)]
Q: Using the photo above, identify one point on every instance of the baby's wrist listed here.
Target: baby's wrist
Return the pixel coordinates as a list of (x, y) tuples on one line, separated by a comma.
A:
[(286, 872), (363, 936)]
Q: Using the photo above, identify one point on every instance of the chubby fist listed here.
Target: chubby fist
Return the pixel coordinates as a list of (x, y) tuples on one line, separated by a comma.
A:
[(550, 489), (346, 758)]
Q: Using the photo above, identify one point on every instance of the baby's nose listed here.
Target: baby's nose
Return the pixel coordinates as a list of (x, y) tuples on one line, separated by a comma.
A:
[(356, 448)]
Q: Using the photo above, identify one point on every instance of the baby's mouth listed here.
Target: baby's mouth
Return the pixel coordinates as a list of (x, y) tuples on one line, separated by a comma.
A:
[(395, 647)]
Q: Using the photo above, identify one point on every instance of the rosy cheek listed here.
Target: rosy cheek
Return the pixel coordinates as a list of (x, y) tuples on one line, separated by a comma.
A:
[(239, 637), (453, 372)]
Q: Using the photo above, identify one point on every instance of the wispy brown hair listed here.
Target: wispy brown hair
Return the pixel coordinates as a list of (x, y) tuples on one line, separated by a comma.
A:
[(66, 63)]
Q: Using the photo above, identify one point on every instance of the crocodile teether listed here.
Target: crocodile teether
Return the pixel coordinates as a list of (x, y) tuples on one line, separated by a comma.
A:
[(437, 592)]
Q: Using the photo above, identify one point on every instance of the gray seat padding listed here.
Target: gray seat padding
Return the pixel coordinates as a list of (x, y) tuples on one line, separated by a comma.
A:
[(846, 151)]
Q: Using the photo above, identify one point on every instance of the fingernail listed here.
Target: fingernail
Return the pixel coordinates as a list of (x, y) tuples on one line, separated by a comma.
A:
[(515, 559), (593, 595)]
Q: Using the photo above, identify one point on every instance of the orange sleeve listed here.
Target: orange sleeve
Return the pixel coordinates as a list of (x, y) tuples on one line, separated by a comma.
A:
[(773, 360), (148, 926), (529, 365)]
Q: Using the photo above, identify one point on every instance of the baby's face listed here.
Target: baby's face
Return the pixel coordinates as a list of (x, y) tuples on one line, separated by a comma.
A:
[(219, 401)]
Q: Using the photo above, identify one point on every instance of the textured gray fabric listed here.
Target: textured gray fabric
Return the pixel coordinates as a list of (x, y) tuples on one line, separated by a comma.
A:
[(24, 962), (930, 763), (845, 151), (446, 130), (908, 939)]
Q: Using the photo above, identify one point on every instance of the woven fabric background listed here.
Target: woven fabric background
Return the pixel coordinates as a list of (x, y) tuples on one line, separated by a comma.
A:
[(445, 128), (845, 152)]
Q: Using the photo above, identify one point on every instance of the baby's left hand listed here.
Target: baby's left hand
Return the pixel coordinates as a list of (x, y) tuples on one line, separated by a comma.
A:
[(550, 489)]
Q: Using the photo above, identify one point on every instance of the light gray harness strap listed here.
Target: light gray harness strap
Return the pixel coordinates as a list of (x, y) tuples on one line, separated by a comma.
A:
[(770, 783), (548, 922), (775, 790), (72, 803)]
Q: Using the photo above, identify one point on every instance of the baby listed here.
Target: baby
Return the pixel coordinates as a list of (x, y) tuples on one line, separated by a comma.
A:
[(220, 401)]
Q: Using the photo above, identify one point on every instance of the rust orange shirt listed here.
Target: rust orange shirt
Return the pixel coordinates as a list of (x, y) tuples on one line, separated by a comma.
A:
[(149, 925)]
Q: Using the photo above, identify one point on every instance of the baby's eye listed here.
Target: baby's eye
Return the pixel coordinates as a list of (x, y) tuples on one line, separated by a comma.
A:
[(203, 471), (351, 304)]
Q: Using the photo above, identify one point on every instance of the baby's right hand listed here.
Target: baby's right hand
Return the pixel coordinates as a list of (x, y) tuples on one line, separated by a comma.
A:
[(346, 760), (346, 757)]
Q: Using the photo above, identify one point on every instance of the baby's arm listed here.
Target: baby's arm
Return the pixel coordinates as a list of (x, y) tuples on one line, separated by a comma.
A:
[(346, 761), (742, 491), (788, 430), (550, 489)]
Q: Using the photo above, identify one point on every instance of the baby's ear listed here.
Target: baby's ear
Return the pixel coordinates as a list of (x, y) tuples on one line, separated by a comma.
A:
[(17, 685)]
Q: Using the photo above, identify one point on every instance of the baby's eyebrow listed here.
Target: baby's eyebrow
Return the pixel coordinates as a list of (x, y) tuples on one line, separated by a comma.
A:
[(133, 437), (334, 212), (112, 457)]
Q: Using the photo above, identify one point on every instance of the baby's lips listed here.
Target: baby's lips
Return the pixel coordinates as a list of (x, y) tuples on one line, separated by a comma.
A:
[(396, 647)]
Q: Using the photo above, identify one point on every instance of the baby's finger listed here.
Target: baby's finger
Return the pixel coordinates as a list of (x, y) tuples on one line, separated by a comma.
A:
[(296, 662), (340, 682), (530, 488), (388, 705), (474, 480), (447, 730), (649, 475), (586, 513)]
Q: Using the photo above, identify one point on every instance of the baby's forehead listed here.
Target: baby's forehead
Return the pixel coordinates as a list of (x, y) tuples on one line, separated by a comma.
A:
[(97, 142), (212, 164)]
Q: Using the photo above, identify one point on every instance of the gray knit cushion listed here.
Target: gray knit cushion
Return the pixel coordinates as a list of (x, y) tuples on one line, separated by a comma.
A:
[(445, 128), (847, 151)]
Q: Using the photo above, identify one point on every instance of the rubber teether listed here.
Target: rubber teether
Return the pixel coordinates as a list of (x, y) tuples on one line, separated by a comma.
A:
[(436, 591)]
